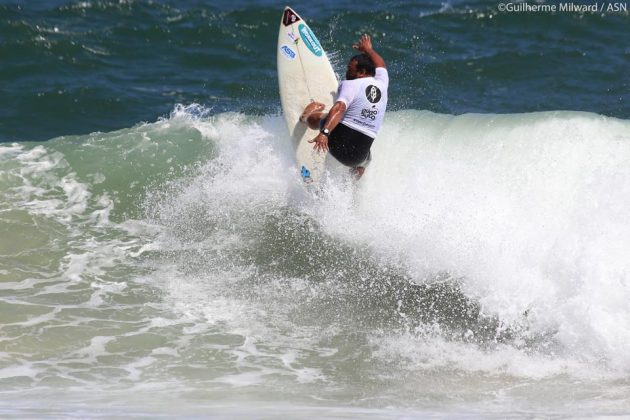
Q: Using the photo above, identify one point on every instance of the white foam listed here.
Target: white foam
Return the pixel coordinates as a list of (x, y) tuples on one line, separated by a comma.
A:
[(40, 319), (165, 351), (95, 349), (243, 379), (423, 352), (100, 216), (25, 370), (137, 367), (10, 150), (528, 209), (76, 194)]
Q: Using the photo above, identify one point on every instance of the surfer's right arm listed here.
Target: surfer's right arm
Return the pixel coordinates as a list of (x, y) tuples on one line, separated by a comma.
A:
[(365, 46), (335, 115)]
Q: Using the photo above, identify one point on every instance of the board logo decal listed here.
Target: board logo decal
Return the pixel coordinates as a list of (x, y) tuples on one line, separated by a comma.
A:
[(289, 17), (306, 175), (373, 94), (310, 40), (288, 52), (292, 37)]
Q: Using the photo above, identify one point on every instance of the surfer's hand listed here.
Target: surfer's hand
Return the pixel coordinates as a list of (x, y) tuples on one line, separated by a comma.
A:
[(364, 44), (321, 143)]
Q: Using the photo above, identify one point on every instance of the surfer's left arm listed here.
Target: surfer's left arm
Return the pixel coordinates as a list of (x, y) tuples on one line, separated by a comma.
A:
[(364, 45), (334, 118)]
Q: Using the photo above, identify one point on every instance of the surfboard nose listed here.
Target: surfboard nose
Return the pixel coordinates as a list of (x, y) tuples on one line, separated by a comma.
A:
[(289, 17)]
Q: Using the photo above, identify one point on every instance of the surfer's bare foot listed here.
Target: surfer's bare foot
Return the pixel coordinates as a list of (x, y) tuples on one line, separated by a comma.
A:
[(311, 108), (357, 172)]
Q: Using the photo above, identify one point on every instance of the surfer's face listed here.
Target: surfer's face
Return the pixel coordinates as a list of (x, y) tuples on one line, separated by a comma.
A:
[(351, 72)]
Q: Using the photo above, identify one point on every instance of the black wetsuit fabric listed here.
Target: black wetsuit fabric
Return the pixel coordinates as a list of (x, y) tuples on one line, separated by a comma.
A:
[(348, 146)]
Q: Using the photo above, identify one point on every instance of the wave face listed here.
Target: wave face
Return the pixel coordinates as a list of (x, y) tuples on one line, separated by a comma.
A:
[(181, 261)]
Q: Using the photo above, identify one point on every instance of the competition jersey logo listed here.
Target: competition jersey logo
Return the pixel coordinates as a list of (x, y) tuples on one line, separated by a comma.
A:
[(369, 113), (373, 94), (310, 40)]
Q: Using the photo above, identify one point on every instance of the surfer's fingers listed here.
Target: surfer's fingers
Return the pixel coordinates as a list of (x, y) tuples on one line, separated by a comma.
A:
[(320, 147), (365, 42)]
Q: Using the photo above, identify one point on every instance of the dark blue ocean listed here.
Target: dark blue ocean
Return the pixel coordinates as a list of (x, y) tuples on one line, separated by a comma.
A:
[(79, 67), (159, 256)]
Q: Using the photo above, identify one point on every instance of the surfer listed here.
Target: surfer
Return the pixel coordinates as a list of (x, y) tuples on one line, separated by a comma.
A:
[(349, 128)]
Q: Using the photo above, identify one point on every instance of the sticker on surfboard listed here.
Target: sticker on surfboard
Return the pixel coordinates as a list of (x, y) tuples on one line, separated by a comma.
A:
[(310, 40), (306, 175), (289, 17), (288, 52), (292, 37)]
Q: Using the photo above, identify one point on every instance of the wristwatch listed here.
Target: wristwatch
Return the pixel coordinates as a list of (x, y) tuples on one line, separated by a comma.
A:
[(325, 132)]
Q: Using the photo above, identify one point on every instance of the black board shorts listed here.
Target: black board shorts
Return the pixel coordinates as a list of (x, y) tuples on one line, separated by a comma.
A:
[(350, 147)]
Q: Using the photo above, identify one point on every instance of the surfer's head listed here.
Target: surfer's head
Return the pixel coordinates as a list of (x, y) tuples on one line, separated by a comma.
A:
[(360, 65)]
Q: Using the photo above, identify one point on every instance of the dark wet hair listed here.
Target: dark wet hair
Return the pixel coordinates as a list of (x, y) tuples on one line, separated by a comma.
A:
[(365, 63)]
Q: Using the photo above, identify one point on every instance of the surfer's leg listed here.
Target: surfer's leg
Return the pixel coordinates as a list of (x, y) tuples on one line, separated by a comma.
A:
[(313, 114), (357, 172)]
